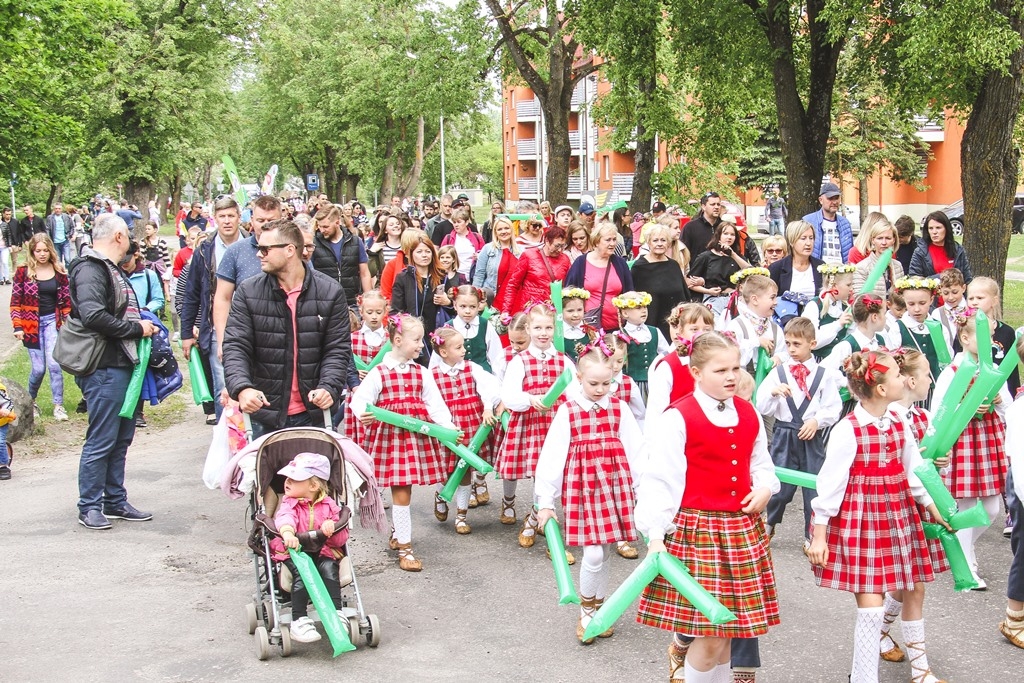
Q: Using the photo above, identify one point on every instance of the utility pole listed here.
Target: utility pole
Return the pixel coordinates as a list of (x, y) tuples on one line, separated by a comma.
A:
[(444, 185), (14, 209)]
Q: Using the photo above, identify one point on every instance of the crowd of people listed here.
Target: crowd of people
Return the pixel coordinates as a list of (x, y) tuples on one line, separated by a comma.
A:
[(699, 363)]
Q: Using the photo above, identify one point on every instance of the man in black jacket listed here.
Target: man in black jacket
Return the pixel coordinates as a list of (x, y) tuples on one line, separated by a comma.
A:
[(103, 300), (287, 343), (340, 254)]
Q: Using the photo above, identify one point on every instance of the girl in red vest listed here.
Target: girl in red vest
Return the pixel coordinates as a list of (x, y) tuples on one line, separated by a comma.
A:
[(708, 480), (669, 379)]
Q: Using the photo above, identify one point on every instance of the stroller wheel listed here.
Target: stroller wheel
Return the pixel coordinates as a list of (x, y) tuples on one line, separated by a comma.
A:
[(286, 642), (251, 617), (353, 629), (268, 613), (262, 643), (373, 630)]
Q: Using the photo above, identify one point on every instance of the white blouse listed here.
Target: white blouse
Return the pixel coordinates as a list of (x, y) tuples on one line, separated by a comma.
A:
[(487, 385), (659, 390), (825, 405), (642, 334), (370, 388), (748, 339), (470, 330), (843, 350), (373, 338), (827, 333), (512, 394)]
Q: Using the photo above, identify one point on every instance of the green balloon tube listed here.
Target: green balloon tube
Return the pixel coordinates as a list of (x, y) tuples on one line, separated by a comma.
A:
[(556, 300), (482, 432), (318, 595), (506, 417), (197, 378), (763, 367), (131, 397), (676, 573), (448, 492), (1006, 368), (414, 425), (797, 478), (521, 216), (970, 518), (558, 388), (941, 422), (563, 578), (932, 483), (468, 456), (363, 366), (876, 272), (984, 337), (938, 337), (986, 380), (963, 579), (619, 601)]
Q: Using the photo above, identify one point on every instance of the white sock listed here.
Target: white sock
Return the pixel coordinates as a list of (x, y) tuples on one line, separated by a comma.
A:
[(892, 608), (479, 477), (462, 497), (722, 673), (694, 676), (402, 519), (606, 570), (966, 538), (509, 487), (591, 571), (865, 644), (530, 525), (913, 632)]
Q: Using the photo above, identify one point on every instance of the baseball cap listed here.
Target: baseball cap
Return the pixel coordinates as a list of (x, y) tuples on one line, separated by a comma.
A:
[(463, 196), (658, 207), (586, 208), (460, 201), (829, 190), (564, 207), (306, 465)]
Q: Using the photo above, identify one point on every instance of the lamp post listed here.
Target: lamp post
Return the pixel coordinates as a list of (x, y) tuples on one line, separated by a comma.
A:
[(444, 185)]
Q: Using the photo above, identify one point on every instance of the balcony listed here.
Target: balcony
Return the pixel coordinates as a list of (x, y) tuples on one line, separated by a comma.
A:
[(622, 184), (527, 148), (575, 141), (528, 110), (577, 97), (930, 130), (575, 185), (529, 187)]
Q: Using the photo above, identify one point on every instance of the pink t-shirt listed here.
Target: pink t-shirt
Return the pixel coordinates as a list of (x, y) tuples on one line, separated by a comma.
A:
[(295, 403), (593, 280)]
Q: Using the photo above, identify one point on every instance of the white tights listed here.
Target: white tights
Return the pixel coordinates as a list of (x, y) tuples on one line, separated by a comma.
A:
[(968, 537)]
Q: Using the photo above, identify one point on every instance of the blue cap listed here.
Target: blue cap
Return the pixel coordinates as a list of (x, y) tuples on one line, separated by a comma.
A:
[(586, 208)]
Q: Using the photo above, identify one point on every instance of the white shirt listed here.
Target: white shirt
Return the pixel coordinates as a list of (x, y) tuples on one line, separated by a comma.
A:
[(495, 352), (664, 480), (467, 254), (512, 394), (825, 405), (949, 325), (892, 335), (831, 247), (946, 378), (370, 388), (373, 338), (840, 454), (642, 334), (1015, 445), (843, 349), (827, 333), (636, 401), (487, 385), (659, 390), (550, 469), (803, 282), (749, 341)]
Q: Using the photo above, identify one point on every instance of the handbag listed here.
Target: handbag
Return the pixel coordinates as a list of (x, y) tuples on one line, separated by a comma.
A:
[(78, 349), (593, 316)]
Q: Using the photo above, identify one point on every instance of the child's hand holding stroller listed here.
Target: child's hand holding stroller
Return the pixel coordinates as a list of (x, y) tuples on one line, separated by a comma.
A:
[(289, 539), (327, 528)]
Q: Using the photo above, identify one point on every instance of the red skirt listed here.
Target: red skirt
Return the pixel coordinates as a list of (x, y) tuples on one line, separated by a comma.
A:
[(727, 553), (521, 445), (404, 458), (597, 494), (936, 553), (468, 415), (350, 425), (979, 460)]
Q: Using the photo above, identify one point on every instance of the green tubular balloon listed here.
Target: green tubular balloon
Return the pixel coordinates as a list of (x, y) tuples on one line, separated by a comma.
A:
[(448, 492), (336, 633), (363, 366), (131, 397), (1006, 368), (482, 432), (984, 337), (556, 299), (558, 388), (797, 478), (986, 380), (675, 572), (941, 422), (506, 417), (968, 519), (876, 272), (563, 578), (521, 216), (197, 378), (963, 579), (932, 483), (414, 425), (488, 312), (619, 601), (763, 367), (939, 342), (360, 365), (468, 456)]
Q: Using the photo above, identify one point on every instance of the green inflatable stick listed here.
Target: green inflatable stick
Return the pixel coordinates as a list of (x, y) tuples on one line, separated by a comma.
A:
[(336, 633), (676, 573), (763, 367), (556, 549), (876, 272), (558, 388), (1006, 368), (482, 432), (963, 579), (468, 456), (556, 300), (932, 483), (608, 208), (414, 425), (448, 492), (984, 383), (970, 518), (131, 397), (938, 336), (366, 367), (506, 417), (620, 600), (521, 216), (939, 428), (797, 478), (197, 378), (984, 336), (488, 312)]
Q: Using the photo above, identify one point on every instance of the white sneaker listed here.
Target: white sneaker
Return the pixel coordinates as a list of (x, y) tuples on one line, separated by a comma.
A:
[(59, 414), (304, 631), (36, 413), (982, 586)]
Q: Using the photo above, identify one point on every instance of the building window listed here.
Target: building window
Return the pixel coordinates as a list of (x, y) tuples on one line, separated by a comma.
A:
[(607, 169), (513, 136), (515, 173)]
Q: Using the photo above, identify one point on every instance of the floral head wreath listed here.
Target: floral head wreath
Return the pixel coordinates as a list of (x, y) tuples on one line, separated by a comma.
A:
[(739, 277), (575, 293), (632, 300), (834, 269), (917, 282)]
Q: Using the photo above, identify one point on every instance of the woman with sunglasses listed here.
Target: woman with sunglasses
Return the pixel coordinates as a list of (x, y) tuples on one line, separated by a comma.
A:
[(536, 269), (798, 273), (531, 234)]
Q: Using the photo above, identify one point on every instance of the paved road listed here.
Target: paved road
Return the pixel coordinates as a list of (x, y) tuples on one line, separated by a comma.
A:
[(163, 600)]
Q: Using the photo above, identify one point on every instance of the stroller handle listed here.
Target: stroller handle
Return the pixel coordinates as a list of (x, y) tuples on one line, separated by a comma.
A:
[(247, 419)]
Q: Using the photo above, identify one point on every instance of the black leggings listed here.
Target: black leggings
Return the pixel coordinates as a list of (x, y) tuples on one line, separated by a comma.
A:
[(328, 569)]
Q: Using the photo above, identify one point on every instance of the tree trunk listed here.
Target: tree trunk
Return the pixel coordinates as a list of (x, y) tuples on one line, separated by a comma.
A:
[(50, 198), (330, 176), (862, 196), (207, 188), (175, 191), (556, 133), (387, 180), (989, 162), (351, 184), (409, 187)]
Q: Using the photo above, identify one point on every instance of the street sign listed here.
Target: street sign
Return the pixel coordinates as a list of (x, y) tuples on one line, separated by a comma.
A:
[(312, 182), (190, 192)]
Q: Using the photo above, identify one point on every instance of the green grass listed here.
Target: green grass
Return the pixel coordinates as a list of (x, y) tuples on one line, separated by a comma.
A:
[(1013, 303)]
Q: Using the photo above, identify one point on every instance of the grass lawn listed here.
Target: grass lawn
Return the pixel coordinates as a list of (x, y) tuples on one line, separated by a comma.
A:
[(1013, 303)]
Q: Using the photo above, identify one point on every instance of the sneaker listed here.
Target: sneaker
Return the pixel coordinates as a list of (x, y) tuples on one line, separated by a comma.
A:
[(982, 586), (5, 472), (93, 519), (35, 410), (128, 513), (59, 414), (304, 631), (140, 421), (81, 408), (211, 419), (1008, 527)]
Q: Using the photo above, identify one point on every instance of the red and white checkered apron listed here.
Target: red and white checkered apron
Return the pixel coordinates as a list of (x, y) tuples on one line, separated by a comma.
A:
[(467, 408), (517, 456), (597, 489), (624, 389), (979, 459), (352, 427), (727, 553), (404, 458), (919, 427), (876, 543)]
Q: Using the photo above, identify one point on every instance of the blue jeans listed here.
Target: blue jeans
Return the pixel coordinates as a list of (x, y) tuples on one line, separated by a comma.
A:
[(776, 226), (5, 456), (217, 370), (101, 469), (63, 251), (42, 359)]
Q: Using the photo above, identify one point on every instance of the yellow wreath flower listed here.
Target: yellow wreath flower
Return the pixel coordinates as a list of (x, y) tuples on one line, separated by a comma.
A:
[(917, 282), (575, 293), (739, 277), (836, 268), (632, 300)]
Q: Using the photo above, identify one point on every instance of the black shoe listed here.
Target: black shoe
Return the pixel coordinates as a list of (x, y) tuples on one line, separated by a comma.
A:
[(129, 513), (211, 420), (93, 519), (140, 421), (81, 407), (5, 472)]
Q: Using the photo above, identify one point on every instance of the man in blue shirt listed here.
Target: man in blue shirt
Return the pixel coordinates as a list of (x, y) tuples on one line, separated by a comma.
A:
[(833, 236), (129, 214), (60, 229)]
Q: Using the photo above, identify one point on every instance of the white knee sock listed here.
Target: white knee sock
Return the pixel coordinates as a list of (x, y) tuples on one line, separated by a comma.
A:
[(722, 673), (913, 633), (992, 507), (892, 608), (694, 676), (403, 523), (462, 497), (591, 571), (509, 487), (865, 645), (605, 575)]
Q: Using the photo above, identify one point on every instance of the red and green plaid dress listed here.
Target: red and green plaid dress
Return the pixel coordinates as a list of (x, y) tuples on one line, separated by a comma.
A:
[(520, 448), (463, 400)]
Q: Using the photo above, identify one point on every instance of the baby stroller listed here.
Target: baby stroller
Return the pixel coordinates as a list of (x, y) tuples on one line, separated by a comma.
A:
[(267, 618)]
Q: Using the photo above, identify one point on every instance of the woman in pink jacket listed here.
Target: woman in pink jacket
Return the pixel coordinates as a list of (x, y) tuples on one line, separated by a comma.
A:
[(534, 273)]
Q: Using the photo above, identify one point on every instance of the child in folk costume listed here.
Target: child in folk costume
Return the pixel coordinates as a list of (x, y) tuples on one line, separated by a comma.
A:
[(917, 377), (483, 346), (366, 342), (868, 322), (591, 459), (403, 458), (529, 375), (803, 397), (918, 293), (710, 452), (978, 470), (646, 341), (983, 294), (753, 326), (952, 290), (830, 313), (867, 537), (518, 335), (892, 337), (471, 394), (669, 377), (573, 308), (1012, 626)]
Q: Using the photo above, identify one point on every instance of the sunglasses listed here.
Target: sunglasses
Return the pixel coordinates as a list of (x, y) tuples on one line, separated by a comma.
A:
[(773, 251), (264, 249)]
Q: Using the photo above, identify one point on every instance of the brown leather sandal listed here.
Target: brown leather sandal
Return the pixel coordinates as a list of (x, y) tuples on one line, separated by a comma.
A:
[(677, 661), (440, 508), (917, 674), (461, 526), (406, 560), (508, 511), (587, 608), (1013, 630), (892, 654)]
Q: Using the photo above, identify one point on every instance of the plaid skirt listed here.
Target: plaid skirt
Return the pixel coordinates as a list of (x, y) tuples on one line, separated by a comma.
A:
[(517, 458), (727, 553), (936, 553), (597, 494), (350, 425), (404, 458), (979, 460), (468, 415), (876, 543)]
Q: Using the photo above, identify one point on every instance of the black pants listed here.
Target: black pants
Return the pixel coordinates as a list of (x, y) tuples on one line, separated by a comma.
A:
[(328, 569)]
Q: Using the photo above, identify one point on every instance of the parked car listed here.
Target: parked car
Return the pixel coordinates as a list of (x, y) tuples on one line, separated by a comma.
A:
[(955, 213)]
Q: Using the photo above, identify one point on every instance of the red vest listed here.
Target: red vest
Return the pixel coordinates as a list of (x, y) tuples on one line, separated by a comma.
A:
[(717, 458), (682, 380)]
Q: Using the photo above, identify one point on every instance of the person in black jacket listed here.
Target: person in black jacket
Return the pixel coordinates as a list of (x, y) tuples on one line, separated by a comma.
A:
[(340, 254), (103, 301), (287, 343)]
